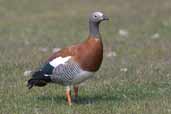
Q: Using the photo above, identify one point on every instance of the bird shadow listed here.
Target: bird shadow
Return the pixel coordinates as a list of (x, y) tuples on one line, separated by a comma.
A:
[(117, 95), (82, 99)]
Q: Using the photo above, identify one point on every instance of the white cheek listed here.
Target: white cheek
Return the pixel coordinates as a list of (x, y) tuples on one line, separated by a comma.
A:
[(100, 14), (59, 60)]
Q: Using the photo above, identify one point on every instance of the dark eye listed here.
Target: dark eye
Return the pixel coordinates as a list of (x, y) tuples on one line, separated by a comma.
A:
[(95, 16)]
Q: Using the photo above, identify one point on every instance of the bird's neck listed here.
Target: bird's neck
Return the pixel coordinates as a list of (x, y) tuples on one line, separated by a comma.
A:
[(94, 30)]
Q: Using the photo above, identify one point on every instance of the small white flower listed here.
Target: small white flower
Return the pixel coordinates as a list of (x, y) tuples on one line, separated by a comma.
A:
[(169, 110), (123, 69), (43, 49), (27, 73), (168, 75), (56, 50), (26, 42), (124, 96), (112, 54), (155, 36), (123, 32)]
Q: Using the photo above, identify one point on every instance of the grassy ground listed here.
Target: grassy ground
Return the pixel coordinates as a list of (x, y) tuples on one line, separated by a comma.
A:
[(135, 77)]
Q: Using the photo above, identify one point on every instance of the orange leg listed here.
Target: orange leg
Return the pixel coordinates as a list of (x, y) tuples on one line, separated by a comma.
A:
[(68, 95), (75, 94), (76, 91)]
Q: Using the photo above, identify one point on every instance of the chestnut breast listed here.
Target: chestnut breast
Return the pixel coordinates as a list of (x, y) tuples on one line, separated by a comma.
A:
[(88, 54)]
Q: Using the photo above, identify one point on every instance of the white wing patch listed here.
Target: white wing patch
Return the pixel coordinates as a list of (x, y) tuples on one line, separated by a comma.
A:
[(59, 60)]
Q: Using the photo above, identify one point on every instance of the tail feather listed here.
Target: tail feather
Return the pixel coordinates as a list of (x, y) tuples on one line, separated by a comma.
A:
[(38, 79)]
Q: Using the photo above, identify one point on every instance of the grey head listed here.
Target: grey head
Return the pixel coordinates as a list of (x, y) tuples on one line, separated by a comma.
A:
[(94, 21), (97, 17)]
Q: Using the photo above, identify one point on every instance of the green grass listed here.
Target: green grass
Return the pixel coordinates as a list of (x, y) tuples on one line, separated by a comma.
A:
[(26, 26)]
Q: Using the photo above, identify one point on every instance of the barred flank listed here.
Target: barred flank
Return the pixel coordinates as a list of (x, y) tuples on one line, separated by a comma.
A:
[(65, 73)]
